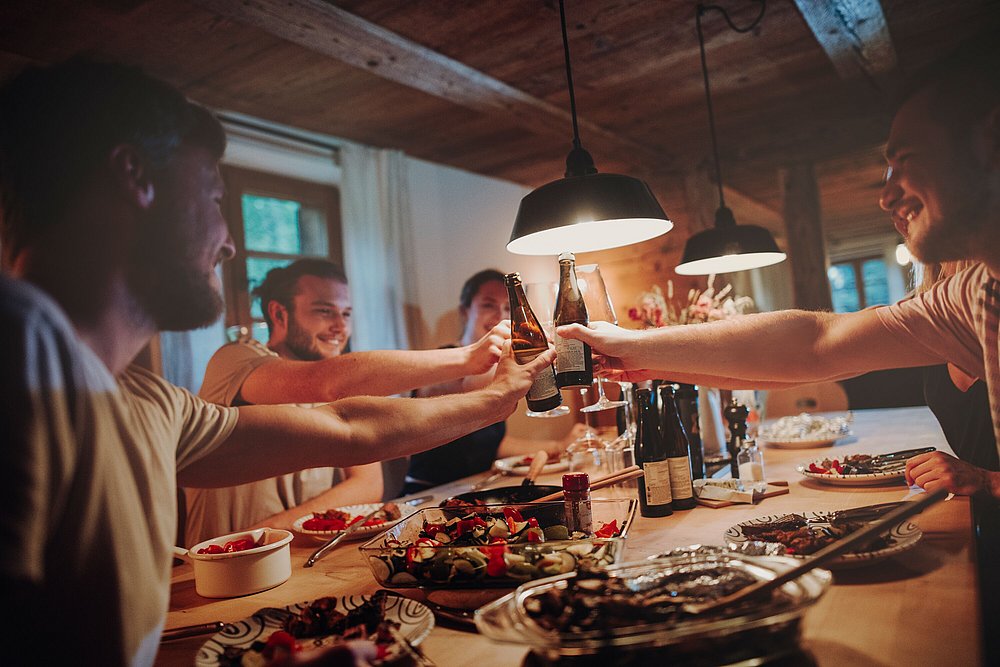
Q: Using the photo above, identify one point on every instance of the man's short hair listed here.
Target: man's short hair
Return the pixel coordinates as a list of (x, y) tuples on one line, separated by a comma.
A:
[(965, 84), (59, 124), (472, 285), (279, 284)]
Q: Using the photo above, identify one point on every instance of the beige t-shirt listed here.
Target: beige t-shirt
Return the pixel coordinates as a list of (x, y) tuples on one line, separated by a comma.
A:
[(214, 512), (956, 321), (89, 489)]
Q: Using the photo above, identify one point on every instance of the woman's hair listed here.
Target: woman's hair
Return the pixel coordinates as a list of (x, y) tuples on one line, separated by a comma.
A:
[(472, 285), (933, 273)]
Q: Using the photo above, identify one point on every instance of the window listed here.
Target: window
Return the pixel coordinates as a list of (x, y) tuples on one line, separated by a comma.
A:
[(859, 283), (274, 221)]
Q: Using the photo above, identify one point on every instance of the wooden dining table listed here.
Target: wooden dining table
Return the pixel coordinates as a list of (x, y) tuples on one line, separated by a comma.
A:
[(919, 607)]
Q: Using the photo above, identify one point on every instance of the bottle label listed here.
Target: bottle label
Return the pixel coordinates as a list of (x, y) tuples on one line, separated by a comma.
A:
[(680, 477), (569, 355), (657, 482), (544, 385)]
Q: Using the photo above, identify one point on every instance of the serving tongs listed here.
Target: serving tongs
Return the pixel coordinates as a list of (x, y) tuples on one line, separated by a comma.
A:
[(854, 540), (894, 459)]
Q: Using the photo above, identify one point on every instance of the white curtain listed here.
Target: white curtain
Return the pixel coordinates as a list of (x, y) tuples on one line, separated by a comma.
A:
[(375, 219)]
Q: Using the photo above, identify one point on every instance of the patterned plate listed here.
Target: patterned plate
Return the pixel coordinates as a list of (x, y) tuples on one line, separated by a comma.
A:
[(322, 536), (904, 535), (512, 466), (866, 479), (415, 619)]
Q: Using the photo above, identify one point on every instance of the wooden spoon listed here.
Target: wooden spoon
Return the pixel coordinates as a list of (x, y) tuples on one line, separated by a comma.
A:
[(538, 462), (824, 555)]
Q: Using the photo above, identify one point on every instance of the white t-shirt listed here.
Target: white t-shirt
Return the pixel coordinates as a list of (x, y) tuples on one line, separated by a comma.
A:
[(89, 489), (220, 511)]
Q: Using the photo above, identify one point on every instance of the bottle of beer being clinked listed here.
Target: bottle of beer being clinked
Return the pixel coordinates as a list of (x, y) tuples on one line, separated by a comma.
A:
[(574, 364), (528, 341)]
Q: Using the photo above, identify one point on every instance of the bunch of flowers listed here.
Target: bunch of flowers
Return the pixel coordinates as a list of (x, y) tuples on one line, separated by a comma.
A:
[(656, 309)]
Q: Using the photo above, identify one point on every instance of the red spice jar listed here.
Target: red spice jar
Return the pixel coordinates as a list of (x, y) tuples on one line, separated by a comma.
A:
[(576, 499)]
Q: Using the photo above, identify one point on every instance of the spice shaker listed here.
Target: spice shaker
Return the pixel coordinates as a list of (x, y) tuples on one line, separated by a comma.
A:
[(750, 461), (576, 500)]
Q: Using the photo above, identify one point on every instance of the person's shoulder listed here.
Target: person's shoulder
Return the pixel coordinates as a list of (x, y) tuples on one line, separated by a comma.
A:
[(20, 301)]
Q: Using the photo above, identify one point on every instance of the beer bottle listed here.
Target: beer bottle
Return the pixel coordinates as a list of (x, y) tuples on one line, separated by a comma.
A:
[(574, 365), (528, 341), (650, 454), (675, 441)]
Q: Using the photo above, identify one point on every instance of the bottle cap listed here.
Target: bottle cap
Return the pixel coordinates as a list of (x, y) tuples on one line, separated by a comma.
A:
[(512, 278), (576, 481), (564, 256)]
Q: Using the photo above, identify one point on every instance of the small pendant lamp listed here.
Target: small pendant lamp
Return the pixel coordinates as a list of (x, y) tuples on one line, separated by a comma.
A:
[(727, 246)]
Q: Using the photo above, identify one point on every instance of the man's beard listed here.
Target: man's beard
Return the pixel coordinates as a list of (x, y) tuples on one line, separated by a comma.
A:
[(300, 342), (166, 281)]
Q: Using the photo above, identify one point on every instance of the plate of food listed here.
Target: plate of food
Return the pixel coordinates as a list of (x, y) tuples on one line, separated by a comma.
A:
[(321, 526), (806, 431), (519, 465), (806, 533), (853, 470), (272, 633)]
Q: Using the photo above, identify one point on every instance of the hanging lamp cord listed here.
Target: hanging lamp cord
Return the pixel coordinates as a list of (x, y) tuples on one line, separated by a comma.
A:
[(569, 74), (702, 9)]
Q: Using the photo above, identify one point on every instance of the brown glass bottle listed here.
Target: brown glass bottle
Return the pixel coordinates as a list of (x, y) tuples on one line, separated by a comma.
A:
[(528, 341), (654, 486), (676, 442), (574, 364)]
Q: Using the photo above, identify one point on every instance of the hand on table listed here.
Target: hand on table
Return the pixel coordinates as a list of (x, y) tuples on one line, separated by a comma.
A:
[(936, 470)]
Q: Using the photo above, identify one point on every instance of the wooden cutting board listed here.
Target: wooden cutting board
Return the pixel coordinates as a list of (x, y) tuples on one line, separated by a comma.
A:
[(776, 489)]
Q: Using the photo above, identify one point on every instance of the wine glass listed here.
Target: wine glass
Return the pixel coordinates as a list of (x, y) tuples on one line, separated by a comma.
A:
[(542, 298), (599, 309)]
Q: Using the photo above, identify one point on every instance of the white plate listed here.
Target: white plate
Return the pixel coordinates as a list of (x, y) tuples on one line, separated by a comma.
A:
[(806, 443), (906, 536), (866, 479), (363, 532), (415, 619), (509, 466)]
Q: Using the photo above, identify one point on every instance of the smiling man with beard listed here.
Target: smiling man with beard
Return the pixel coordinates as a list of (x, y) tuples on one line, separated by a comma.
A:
[(111, 229), (943, 194)]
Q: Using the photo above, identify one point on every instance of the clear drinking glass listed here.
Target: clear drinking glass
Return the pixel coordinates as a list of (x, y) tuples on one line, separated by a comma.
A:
[(599, 309), (542, 298)]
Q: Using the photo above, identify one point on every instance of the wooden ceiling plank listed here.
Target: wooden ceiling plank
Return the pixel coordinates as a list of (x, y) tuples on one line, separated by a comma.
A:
[(854, 34), (333, 32)]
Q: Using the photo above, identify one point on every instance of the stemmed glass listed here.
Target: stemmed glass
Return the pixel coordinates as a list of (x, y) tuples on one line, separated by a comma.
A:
[(599, 309), (542, 298)]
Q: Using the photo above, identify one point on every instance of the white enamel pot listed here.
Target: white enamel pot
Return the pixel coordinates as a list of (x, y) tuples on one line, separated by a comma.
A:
[(229, 575)]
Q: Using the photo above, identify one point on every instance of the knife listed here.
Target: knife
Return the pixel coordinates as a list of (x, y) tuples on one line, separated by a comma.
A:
[(334, 541)]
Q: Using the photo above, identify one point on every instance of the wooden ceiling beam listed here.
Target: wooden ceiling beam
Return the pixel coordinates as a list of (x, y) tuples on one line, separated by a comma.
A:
[(333, 32), (854, 34)]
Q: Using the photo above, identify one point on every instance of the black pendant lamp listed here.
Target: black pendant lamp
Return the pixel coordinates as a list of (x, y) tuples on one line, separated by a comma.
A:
[(727, 246), (585, 210)]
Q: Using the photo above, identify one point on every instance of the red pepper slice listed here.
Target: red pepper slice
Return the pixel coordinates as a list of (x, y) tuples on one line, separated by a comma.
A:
[(284, 640), (532, 522), (496, 566), (512, 513), (817, 469), (607, 530), (533, 536)]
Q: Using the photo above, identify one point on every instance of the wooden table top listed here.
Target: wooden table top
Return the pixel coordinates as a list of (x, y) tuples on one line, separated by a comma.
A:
[(919, 608)]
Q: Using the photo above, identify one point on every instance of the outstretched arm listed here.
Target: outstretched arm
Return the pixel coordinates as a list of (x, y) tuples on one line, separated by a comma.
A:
[(790, 347), (358, 430), (375, 373)]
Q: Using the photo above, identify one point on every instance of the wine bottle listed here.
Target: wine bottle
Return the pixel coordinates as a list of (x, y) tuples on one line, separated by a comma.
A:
[(675, 441), (574, 364), (686, 397), (650, 454), (528, 341)]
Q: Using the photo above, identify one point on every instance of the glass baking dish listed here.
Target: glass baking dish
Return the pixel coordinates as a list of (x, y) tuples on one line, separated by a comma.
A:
[(462, 567), (750, 632)]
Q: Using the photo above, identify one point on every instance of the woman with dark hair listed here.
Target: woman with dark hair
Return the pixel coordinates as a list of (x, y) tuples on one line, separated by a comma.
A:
[(482, 304)]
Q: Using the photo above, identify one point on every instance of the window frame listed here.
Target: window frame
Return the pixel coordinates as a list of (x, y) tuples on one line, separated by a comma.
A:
[(857, 264), (240, 181)]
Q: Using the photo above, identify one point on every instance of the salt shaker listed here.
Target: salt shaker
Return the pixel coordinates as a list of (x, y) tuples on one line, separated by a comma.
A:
[(750, 461), (576, 499)]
